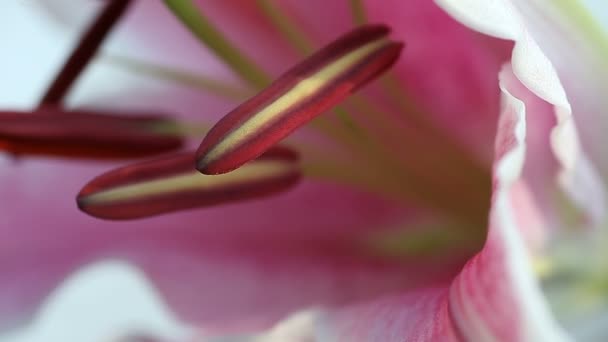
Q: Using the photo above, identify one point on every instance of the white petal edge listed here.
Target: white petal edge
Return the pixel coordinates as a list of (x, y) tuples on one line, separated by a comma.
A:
[(499, 18), (537, 321)]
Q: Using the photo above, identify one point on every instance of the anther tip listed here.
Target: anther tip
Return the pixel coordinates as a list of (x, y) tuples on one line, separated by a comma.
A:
[(80, 202), (209, 168), (202, 165), (83, 204), (378, 27)]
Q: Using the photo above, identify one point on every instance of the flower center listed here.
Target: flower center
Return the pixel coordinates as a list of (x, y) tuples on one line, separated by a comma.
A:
[(389, 147), (372, 148)]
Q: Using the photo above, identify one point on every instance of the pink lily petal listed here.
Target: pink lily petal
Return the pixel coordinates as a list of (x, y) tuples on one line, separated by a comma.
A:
[(258, 248), (494, 298), (573, 39)]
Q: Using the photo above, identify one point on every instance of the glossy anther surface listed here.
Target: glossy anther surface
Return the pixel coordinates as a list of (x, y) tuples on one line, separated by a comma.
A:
[(172, 184), (304, 92), (85, 134)]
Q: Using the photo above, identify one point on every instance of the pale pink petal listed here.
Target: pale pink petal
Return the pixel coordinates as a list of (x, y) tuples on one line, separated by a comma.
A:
[(574, 40), (494, 298), (504, 19)]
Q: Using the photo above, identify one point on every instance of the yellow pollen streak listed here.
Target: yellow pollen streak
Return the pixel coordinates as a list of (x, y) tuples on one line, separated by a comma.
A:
[(300, 92), (192, 181)]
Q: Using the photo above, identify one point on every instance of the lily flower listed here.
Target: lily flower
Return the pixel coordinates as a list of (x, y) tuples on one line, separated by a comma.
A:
[(417, 206)]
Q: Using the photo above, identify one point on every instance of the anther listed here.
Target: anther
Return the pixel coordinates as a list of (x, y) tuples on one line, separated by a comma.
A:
[(307, 90), (85, 134), (172, 184)]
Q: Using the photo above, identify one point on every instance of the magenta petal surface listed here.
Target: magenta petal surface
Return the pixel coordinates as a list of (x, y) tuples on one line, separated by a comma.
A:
[(262, 247)]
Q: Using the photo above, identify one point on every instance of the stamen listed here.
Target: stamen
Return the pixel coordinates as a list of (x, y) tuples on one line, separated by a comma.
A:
[(179, 76), (304, 92), (50, 131), (301, 43), (172, 184), (85, 50)]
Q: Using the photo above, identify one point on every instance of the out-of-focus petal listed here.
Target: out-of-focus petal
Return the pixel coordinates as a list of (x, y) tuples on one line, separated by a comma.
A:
[(263, 259), (574, 40), (504, 19), (273, 264), (494, 298)]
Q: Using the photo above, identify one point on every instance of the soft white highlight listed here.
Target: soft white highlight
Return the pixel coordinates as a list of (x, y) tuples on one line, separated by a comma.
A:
[(501, 19), (102, 303)]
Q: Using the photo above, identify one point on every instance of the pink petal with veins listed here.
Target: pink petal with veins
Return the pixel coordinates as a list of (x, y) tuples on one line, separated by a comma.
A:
[(494, 298)]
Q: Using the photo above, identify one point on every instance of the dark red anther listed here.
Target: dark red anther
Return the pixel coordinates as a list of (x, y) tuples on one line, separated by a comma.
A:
[(85, 134), (307, 90), (172, 184)]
